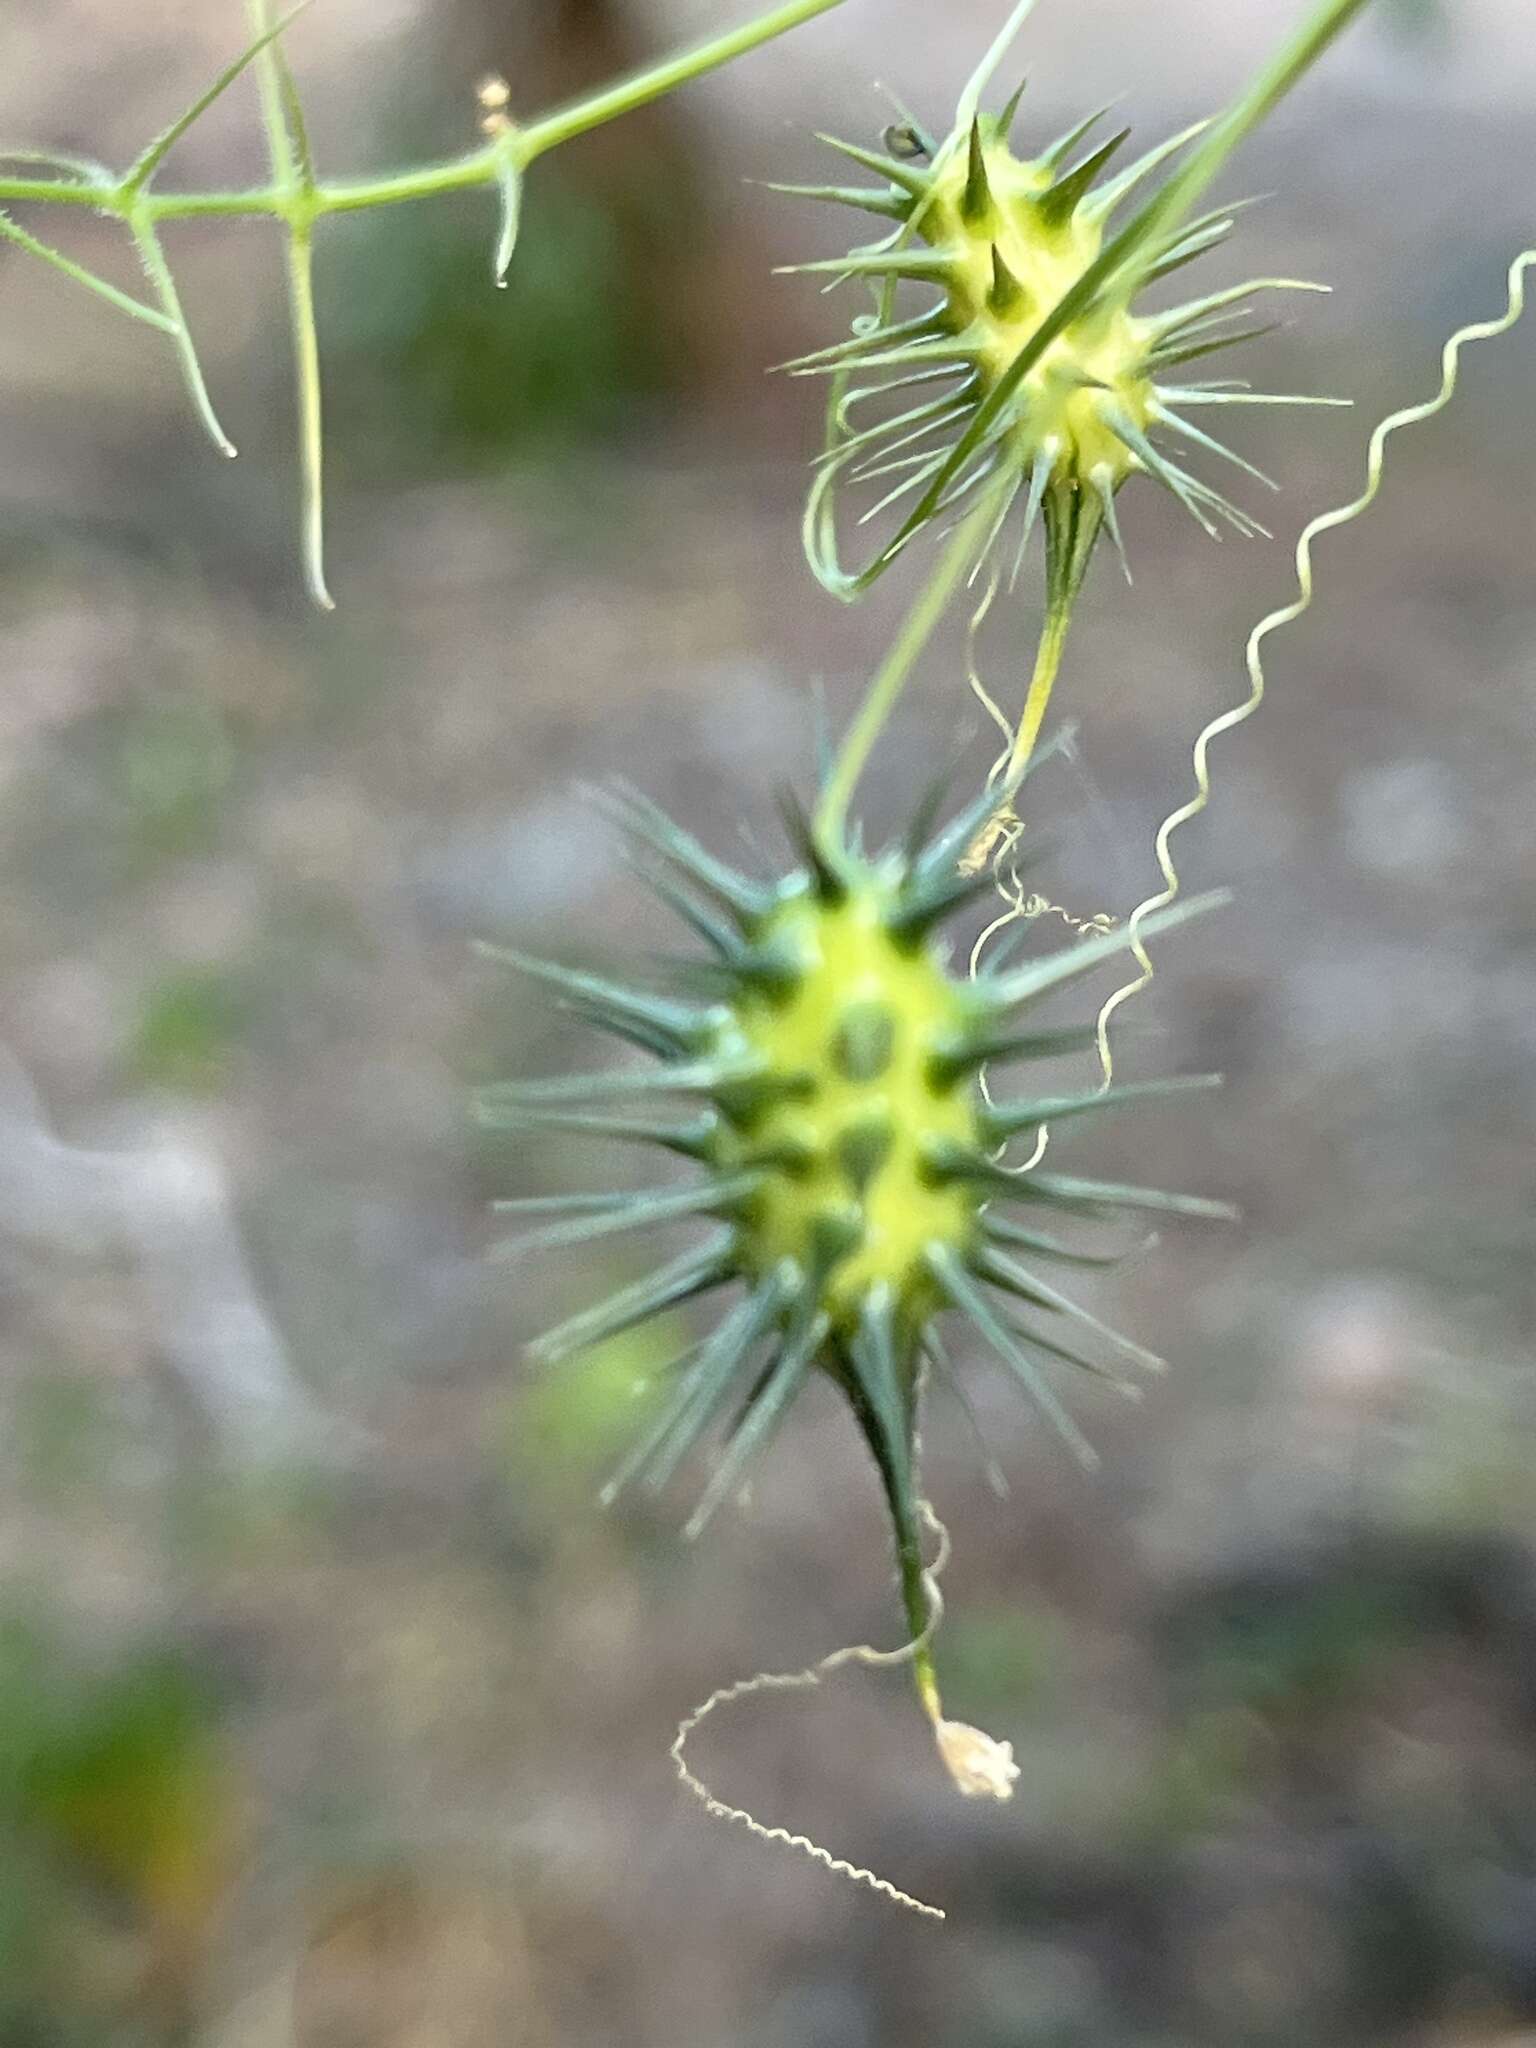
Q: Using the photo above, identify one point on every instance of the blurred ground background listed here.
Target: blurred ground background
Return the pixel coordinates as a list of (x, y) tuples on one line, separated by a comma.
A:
[(326, 1693)]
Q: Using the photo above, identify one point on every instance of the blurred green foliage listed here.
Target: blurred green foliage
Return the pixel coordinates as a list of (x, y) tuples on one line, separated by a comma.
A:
[(1315, 1649), (121, 1776), (186, 1030), (172, 761), (564, 1429), (118, 1828), (435, 370), (61, 1433), (1003, 1659), (140, 781), (1201, 1773)]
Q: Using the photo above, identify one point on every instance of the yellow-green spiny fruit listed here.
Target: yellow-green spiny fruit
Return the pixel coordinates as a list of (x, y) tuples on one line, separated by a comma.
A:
[(845, 1151), (1034, 382)]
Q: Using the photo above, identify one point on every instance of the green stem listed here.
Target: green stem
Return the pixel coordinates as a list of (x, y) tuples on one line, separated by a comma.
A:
[(158, 271), (480, 167), (272, 202), (274, 117), (140, 173), (1047, 662), (914, 1600), (623, 98), (891, 677), (895, 1458), (123, 301), (1290, 63), (98, 192), (293, 170), (306, 362)]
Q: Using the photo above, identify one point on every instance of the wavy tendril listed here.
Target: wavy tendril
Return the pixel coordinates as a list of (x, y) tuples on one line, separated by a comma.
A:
[(1288, 614), (914, 1651)]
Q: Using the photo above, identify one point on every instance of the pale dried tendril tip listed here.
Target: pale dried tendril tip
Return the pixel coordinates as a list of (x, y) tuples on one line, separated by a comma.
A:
[(981, 1767)]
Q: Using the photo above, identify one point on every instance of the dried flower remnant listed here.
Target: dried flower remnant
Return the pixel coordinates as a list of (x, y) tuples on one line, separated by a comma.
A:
[(981, 1766)]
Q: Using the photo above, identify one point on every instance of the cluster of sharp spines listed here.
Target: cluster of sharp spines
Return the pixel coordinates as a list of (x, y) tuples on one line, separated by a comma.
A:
[(916, 448), (788, 1323), (961, 1287)]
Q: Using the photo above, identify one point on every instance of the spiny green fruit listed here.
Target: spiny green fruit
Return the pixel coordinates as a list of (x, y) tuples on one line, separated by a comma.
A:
[(845, 1148), (1054, 388)]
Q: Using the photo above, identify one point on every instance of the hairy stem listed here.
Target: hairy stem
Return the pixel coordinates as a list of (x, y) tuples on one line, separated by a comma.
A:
[(566, 122), (293, 169), (297, 199), (485, 166), (123, 301), (158, 271)]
